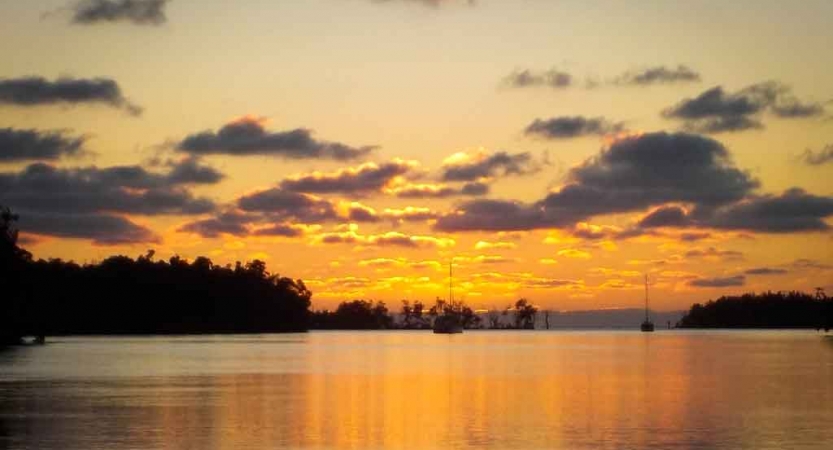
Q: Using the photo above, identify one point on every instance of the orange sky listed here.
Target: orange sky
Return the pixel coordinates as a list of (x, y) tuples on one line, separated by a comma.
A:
[(555, 150)]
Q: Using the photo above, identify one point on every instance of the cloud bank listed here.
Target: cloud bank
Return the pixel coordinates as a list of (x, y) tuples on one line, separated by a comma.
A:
[(36, 91), (247, 136)]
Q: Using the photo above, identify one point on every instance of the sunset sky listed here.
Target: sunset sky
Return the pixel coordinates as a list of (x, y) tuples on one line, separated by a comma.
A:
[(557, 150)]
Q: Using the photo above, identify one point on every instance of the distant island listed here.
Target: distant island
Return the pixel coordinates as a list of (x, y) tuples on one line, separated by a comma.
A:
[(765, 310)]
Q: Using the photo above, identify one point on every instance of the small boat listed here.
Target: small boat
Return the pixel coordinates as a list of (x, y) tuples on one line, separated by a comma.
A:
[(448, 322), (647, 326)]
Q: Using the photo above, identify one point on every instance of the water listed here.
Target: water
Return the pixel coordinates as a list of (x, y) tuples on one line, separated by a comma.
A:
[(416, 390)]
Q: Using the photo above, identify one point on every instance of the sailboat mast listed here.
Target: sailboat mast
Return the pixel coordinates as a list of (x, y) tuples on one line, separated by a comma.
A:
[(646, 297), (450, 281)]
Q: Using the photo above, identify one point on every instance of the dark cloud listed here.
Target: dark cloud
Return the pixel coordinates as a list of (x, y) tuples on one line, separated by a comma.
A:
[(422, 191), (409, 214), (820, 157), (230, 222), (285, 205), (526, 78), (733, 281), (766, 271), (139, 12), (28, 145), (494, 165), (659, 75), (281, 229), (694, 237), (361, 213), (389, 239), (241, 224), (567, 127), (793, 211), (102, 229), (497, 215), (712, 252), (474, 189), (364, 179), (715, 110), (191, 171), (247, 136), (123, 189), (632, 174), (86, 202), (33, 91), (666, 216), (804, 263)]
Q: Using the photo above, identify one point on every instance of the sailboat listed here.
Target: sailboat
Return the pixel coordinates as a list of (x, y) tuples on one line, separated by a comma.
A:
[(647, 326), (448, 321)]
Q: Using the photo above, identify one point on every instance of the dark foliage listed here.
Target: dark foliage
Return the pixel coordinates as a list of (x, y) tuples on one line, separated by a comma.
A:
[(13, 260), (354, 315), (121, 295), (764, 310)]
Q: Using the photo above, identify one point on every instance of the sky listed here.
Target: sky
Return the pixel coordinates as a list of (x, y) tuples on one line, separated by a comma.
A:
[(555, 150)]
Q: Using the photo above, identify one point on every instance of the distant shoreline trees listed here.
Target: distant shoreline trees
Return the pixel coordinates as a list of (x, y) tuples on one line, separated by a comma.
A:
[(764, 310)]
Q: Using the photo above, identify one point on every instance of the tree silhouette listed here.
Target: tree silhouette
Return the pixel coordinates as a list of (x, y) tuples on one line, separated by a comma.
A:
[(525, 314), (765, 310)]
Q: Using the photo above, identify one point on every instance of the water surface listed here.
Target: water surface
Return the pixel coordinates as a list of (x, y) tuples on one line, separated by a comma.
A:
[(416, 390)]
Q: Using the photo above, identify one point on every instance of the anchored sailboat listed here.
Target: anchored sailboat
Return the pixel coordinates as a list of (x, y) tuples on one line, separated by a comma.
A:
[(448, 320), (647, 326)]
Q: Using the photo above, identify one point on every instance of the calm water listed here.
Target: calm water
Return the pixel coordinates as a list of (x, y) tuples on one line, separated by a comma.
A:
[(375, 390)]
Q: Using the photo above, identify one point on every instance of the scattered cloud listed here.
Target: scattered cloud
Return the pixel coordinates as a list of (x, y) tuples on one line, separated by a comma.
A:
[(191, 171), (232, 222), (716, 111), (389, 239), (659, 75), (89, 202), (766, 271), (632, 174), (138, 12), (821, 157), (552, 78), (568, 127), (247, 136), (364, 179), (409, 214), (793, 211), (428, 190), (478, 166), (124, 189), (35, 91), (714, 254), (285, 205), (34, 145), (732, 281), (101, 229)]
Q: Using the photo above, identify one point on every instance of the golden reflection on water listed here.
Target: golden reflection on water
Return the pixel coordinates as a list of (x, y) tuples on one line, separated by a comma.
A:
[(415, 390)]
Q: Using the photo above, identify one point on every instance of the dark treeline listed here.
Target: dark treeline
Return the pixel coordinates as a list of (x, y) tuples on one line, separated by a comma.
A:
[(366, 315), (764, 310), (121, 295)]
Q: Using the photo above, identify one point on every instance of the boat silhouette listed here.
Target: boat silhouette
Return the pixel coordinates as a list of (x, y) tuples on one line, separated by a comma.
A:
[(647, 326), (448, 320)]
